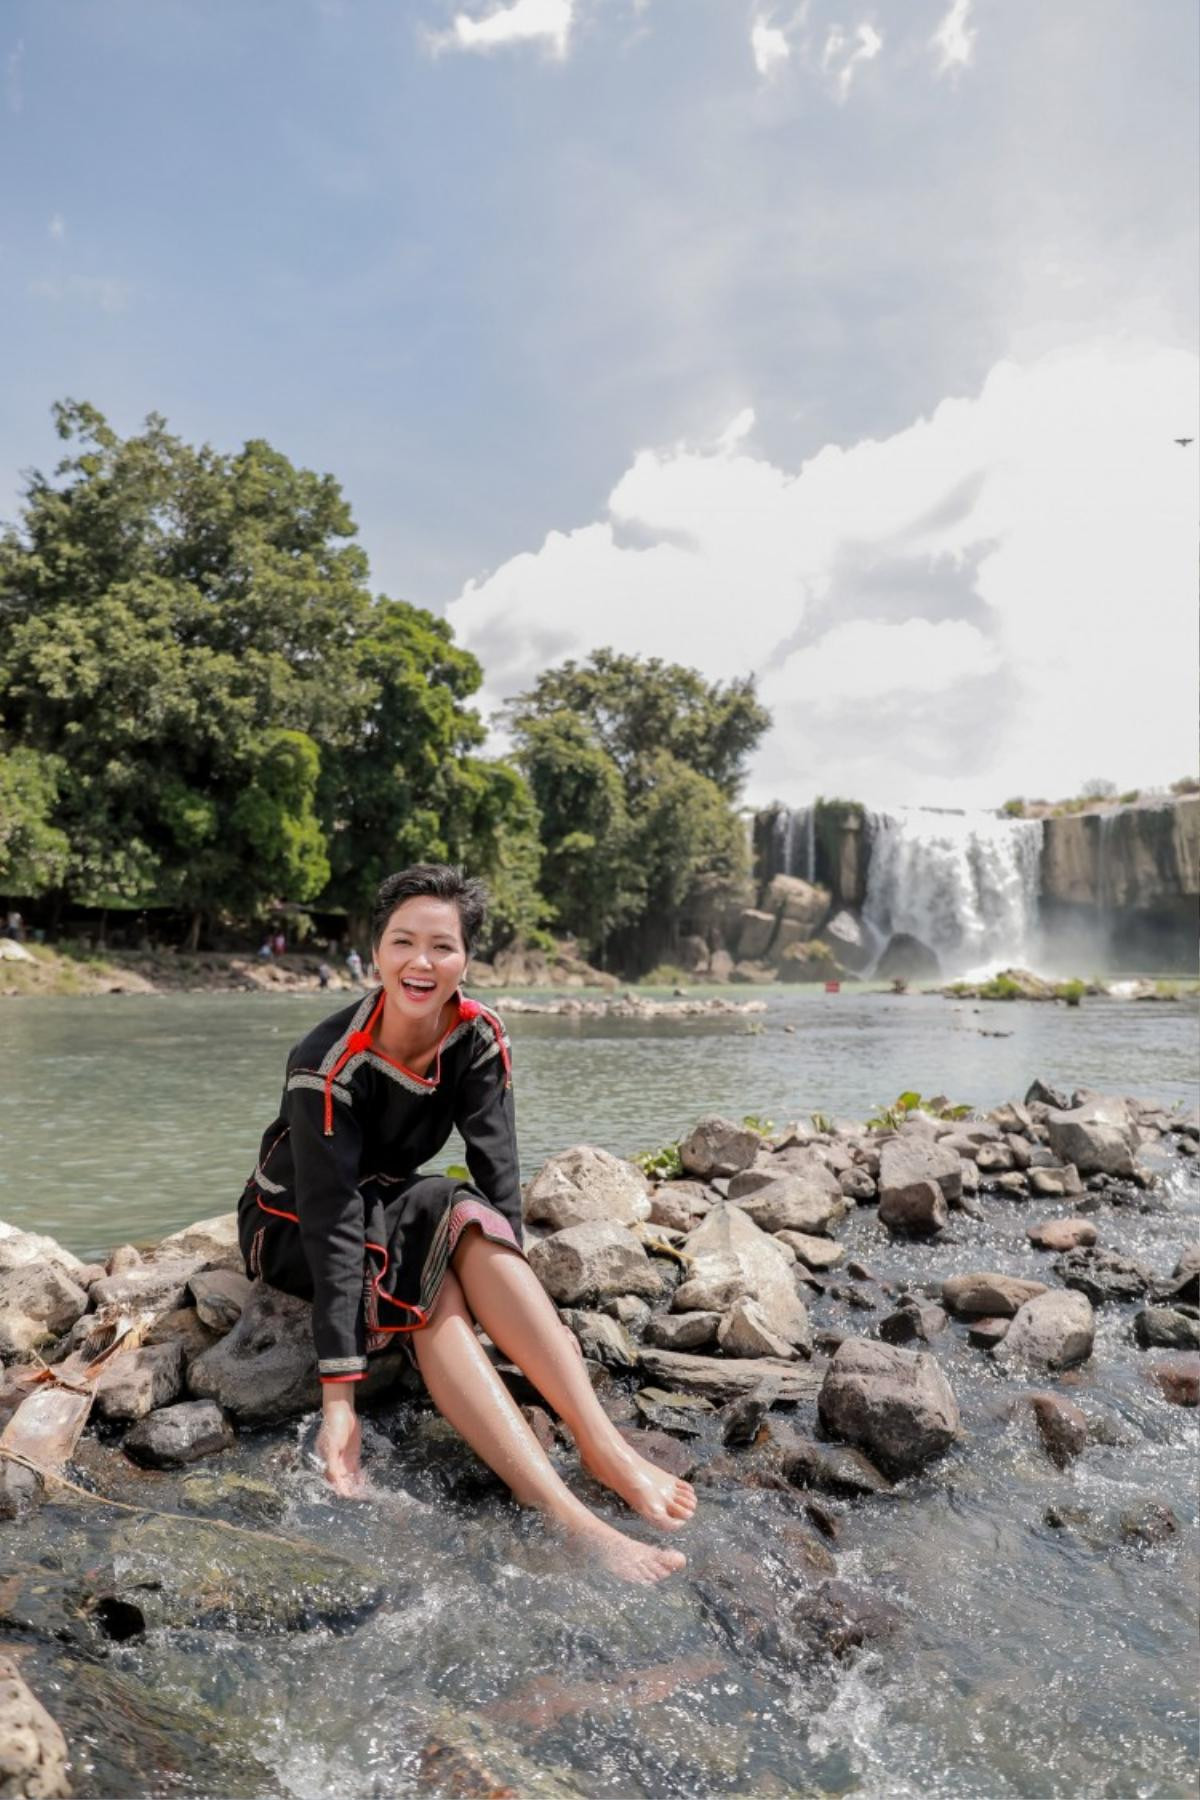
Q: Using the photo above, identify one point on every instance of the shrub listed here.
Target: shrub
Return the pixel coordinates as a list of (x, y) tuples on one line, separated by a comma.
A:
[(756, 1123), (660, 1165), (1013, 809), (1000, 987), (1129, 798), (1071, 991)]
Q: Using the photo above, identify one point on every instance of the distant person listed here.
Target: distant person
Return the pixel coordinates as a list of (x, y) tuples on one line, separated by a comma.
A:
[(339, 1211), (324, 975), (264, 950), (279, 944), (354, 963), (14, 926)]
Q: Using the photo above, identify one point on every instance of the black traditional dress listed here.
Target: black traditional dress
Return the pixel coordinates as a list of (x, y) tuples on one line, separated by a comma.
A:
[(337, 1209)]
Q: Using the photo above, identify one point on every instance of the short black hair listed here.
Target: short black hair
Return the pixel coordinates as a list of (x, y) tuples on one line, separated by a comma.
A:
[(440, 881)]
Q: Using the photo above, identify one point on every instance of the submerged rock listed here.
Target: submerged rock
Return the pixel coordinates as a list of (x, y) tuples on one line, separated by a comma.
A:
[(179, 1434), (1165, 1328), (34, 1759), (894, 1404), (1103, 1275), (833, 1468), (1178, 1379), (1061, 1425)]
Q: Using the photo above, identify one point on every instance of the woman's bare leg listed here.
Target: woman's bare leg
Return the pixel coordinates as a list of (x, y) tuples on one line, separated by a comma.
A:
[(518, 1315), (468, 1392)]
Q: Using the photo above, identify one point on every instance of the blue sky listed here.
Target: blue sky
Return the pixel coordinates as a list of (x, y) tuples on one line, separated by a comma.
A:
[(843, 344)]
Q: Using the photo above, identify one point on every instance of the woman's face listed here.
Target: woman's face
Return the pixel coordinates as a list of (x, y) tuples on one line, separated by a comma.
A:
[(421, 956)]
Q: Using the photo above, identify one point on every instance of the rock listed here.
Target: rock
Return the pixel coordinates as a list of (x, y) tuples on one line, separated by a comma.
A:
[(1178, 1379), (847, 941), (22, 1491), (833, 1468), (908, 958), (1162, 1327), (122, 1259), (919, 1208), (993, 1159), (541, 1425), (34, 1759), (745, 1331), (896, 1405), (663, 1450), (601, 1338), (1063, 1428), (755, 930), (835, 1618), (582, 1184), (683, 1331), (1061, 1234), (986, 1333), (136, 1383), (722, 1381), (999, 1296), (1049, 1186), (220, 1295), (17, 1248), (182, 1326), (804, 902), (857, 1185), (717, 1146), (1103, 1275), (732, 1258), (593, 1262), (790, 1203), (238, 1497), (913, 1322), (1184, 1283), (214, 1241), (1094, 1148), (1040, 1093), (1150, 1522), (38, 1300), (741, 1419), (907, 1169), (162, 1283), (629, 1311), (1054, 1330), (178, 1434), (679, 1204), (814, 1252), (266, 1368), (678, 1413)]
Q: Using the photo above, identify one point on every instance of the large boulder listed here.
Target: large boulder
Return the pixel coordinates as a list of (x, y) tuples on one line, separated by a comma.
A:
[(38, 1300), (907, 1160), (848, 941), (1096, 1146), (731, 1259), (34, 1758), (754, 933), (1054, 1330), (986, 1295), (895, 1405), (584, 1183), (215, 1240), (161, 1283), (266, 1368), (799, 902), (586, 1264), (19, 1247), (792, 1203), (717, 1147)]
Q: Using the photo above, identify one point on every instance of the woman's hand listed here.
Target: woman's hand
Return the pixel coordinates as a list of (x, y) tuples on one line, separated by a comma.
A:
[(339, 1443)]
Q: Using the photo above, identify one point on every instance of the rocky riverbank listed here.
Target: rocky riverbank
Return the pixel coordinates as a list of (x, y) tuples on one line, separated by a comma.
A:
[(788, 1315)]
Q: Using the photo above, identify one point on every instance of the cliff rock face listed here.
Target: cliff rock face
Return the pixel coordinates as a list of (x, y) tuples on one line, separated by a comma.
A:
[(1138, 858)]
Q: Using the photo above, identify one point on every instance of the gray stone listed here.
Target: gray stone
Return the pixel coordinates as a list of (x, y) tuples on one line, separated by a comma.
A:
[(911, 1323), (122, 1259), (742, 1418), (1062, 1427), (679, 1204), (908, 1161), (161, 1283), (1054, 1330), (1103, 1275), (918, 1208), (1094, 1147), (993, 1159), (38, 1300), (602, 1339), (997, 1296), (732, 1258), (908, 959), (136, 1383), (683, 1330), (1061, 1234), (213, 1240), (717, 1146), (713, 1379), (746, 1331), (182, 1326), (832, 1468), (896, 1405), (986, 1333), (593, 1262), (17, 1248), (857, 1185), (1163, 1328), (34, 1759), (814, 1252), (266, 1368), (630, 1311), (179, 1434), (220, 1295), (238, 1496), (584, 1183), (790, 1203)]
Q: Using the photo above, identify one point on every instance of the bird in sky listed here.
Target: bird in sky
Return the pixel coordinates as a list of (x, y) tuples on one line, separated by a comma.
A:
[(1184, 442)]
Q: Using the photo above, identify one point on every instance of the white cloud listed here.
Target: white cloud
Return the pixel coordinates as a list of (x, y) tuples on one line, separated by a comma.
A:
[(523, 22), (768, 46), (954, 40), (843, 55), (997, 599), (57, 228), (107, 292)]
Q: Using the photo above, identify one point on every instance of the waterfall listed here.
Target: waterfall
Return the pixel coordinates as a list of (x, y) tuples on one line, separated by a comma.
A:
[(794, 845), (966, 884)]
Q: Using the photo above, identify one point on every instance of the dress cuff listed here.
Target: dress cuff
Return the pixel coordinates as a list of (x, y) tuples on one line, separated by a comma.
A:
[(342, 1368)]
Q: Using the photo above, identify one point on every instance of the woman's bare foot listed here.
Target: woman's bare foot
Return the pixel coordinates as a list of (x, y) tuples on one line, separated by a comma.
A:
[(653, 1493), (624, 1556)]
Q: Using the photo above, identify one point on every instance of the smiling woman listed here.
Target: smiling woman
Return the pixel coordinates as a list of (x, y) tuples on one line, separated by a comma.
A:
[(337, 1210)]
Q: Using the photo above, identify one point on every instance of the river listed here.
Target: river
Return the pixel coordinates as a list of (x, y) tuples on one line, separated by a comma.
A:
[(1029, 1661)]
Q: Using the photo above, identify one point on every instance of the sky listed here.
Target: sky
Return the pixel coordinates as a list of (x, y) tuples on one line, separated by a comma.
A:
[(837, 344)]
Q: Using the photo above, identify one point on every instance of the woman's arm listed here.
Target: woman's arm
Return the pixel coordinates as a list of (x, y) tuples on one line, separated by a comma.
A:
[(332, 1226), (486, 1119)]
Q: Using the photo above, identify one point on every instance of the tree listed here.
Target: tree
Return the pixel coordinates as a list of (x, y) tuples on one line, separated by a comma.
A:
[(33, 852)]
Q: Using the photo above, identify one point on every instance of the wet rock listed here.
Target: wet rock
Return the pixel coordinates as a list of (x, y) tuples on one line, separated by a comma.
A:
[(220, 1295), (1178, 1379), (664, 1451), (1149, 1522), (908, 1167), (179, 1434), (722, 1381), (792, 1203), (161, 1283), (38, 1300), (542, 1427), (741, 1419), (1094, 1147), (894, 1404), (674, 1412), (141, 1380), (731, 1259), (836, 1618), (683, 1331), (602, 1338), (852, 1296), (833, 1469), (19, 1248), (717, 1146), (1062, 1427), (680, 1204), (1184, 1283), (22, 1490), (266, 1368), (1054, 1330), (814, 1252), (582, 1184), (593, 1262), (745, 1330), (629, 1311), (988, 1293), (986, 1333), (34, 1759), (1061, 1234), (1103, 1275), (910, 1323), (827, 1521), (237, 1497), (1164, 1328)]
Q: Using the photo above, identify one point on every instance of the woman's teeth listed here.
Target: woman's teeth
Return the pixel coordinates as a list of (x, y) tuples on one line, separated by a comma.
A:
[(417, 987)]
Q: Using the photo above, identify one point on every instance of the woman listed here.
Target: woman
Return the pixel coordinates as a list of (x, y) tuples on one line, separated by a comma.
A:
[(338, 1212)]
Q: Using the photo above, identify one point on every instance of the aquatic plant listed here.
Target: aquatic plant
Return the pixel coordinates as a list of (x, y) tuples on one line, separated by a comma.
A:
[(1071, 991), (660, 1165), (821, 1122), (890, 1118), (1000, 987), (756, 1123)]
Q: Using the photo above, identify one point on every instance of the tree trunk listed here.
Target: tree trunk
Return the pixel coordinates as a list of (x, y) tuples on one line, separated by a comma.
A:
[(192, 942)]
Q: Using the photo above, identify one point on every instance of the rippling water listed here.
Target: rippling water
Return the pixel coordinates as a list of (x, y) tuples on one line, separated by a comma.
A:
[(1027, 1661)]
